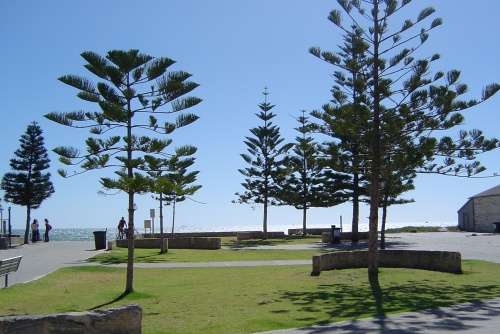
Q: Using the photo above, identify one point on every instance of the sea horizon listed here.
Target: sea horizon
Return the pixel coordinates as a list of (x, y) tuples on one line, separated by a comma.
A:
[(85, 233)]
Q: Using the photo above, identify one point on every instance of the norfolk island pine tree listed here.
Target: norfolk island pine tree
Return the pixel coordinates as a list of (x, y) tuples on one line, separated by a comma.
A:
[(124, 107), (345, 119), (170, 181), (27, 185), (309, 181), (265, 155), (402, 86)]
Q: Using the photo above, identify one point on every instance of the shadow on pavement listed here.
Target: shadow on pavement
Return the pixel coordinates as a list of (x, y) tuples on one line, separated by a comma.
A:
[(343, 301)]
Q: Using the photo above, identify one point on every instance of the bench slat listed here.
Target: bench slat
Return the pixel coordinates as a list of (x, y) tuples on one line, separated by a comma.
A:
[(4, 262), (10, 265)]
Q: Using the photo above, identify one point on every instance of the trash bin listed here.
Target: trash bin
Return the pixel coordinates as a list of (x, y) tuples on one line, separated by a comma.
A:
[(335, 235), (497, 227), (100, 239)]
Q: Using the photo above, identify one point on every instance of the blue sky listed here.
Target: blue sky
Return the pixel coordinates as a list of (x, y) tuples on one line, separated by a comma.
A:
[(234, 49)]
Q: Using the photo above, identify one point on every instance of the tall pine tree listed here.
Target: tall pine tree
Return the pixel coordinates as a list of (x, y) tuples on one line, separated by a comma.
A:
[(403, 88), (27, 184), (179, 181), (309, 183), (345, 118), (132, 92), (265, 158)]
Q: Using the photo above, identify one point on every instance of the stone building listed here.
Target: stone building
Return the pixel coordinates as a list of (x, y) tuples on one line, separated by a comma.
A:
[(480, 212)]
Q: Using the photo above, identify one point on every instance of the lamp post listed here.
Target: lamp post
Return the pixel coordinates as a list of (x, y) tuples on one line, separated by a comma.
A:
[(10, 230), (2, 225)]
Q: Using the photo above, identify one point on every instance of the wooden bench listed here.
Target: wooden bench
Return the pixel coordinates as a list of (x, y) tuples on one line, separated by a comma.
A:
[(8, 266)]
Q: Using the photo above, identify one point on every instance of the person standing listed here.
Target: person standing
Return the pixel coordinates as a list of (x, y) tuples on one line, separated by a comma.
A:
[(37, 228), (48, 227), (33, 230)]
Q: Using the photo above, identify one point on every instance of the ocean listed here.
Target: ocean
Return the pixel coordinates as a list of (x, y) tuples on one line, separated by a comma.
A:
[(68, 234)]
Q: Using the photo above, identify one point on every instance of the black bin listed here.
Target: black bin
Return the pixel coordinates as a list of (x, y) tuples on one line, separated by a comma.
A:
[(100, 239), (335, 235), (497, 227)]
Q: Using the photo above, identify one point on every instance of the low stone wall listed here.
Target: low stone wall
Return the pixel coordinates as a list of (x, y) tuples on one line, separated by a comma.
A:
[(249, 235), (326, 236), (193, 234), (194, 243), (126, 319), (310, 231), (450, 262), (175, 243), (144, 243)]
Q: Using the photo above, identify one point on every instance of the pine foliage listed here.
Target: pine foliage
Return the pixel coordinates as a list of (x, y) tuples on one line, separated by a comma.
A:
[(265, 158), (28, 184), (309, 181), (134, 94)]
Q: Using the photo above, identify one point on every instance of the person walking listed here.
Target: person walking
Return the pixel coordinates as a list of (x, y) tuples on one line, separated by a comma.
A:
[(48, 227)]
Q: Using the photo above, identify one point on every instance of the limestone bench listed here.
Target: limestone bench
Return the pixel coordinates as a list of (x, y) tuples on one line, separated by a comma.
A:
[(250, 235), (450, 262), (174, 243), (8, 266), (125, 319)]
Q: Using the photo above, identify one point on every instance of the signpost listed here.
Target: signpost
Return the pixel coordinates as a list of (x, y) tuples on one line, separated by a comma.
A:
[(147, 225), (152, 215)]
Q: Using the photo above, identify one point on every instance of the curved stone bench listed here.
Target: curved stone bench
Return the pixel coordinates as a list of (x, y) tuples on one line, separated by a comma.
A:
[(450, 262)]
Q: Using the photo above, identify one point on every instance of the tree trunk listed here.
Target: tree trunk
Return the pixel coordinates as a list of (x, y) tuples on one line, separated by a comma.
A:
[(161, 214), (162, 237), (382, 229), (28, 219), (173, 216), (265, 218), (355, 208), (130, 238), (304, 220), (375, 156), (129, 287)]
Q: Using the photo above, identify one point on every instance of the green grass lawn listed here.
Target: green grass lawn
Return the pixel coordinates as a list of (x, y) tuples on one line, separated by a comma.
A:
[(246, 300), (289, 240), (119, 255)]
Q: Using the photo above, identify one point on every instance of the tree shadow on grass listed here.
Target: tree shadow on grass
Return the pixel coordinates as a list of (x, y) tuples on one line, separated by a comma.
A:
[(235, 244), (336, 302), (117, 299), (117, 258)]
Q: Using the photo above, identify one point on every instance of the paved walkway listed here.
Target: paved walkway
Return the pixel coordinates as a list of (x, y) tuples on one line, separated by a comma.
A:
[(42, 258), (215, 264), (481, 246), (470, 318)]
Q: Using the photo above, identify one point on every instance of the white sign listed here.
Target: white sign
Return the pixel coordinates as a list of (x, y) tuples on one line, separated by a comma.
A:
[(152, 213), (147, 223)]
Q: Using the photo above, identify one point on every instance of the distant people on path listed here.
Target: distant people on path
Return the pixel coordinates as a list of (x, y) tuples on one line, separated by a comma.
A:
[(35, 232), (122, 231), (48, 227)]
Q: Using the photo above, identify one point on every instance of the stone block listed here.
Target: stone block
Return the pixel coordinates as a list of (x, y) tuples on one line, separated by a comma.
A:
[(450, 262), (120, 320)]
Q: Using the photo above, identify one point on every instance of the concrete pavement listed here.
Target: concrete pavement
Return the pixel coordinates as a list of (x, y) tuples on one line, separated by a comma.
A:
[(480, 246), (481, 317), (42, 258)]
